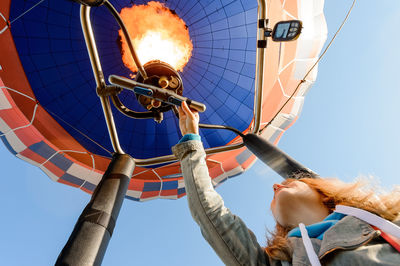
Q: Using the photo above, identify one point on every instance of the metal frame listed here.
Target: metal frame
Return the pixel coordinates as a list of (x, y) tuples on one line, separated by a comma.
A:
[(99, 76), (101, 85), (89, 239)]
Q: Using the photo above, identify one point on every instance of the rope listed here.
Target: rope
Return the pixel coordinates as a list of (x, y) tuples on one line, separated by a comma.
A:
[(33, 115), (80, 152), (57, 152), (8, 23), (27, 11), (77, 130), (20, 93), (93, 167), (52, 113), (161, 183), (313, 66), (24, 126)]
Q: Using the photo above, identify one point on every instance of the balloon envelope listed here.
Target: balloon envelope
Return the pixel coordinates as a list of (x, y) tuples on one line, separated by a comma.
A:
[(51, 116)]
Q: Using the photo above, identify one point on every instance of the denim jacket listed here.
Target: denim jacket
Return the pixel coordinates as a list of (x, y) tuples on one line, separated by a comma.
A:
[(349, 242)]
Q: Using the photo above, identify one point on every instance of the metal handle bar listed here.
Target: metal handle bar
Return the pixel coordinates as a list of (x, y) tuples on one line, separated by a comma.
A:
[(163, 95)]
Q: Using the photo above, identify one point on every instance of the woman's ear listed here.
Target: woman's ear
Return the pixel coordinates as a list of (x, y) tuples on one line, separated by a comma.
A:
[(329, 203), (397, 218)]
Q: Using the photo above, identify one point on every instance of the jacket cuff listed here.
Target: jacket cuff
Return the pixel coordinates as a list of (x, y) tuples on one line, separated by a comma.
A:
[(180, 149), (190, 136)]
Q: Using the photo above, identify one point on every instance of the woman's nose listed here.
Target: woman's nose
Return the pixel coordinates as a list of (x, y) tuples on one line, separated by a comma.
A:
[(277, 186)]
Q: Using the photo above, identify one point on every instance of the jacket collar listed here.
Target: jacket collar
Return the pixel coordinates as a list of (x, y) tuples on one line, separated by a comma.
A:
[(348, 233)]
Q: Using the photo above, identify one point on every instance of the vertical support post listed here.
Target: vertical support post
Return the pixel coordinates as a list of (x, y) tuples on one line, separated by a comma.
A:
[(280, 162), (93, 230), (99, 76), (259, 78)]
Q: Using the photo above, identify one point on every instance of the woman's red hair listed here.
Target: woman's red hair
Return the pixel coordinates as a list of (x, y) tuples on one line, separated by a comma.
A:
[(334, 192)]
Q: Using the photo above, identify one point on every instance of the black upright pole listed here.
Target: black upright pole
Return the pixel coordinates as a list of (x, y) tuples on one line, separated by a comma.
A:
[(280, 162), (92, 232)]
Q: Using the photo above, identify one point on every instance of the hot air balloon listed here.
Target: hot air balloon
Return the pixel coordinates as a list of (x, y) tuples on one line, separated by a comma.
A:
[(51, 115)]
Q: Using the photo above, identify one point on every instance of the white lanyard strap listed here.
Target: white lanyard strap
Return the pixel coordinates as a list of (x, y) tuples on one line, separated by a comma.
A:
[(312, 256), (384, 225)]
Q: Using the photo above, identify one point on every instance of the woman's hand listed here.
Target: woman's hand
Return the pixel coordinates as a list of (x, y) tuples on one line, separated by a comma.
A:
[(188, 120)]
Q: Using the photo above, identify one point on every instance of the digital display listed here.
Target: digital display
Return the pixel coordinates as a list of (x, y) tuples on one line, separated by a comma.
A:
[(285, 31), (282, 30)]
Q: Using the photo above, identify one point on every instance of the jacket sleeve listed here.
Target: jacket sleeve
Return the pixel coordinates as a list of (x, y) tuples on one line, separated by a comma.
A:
[(234, 243)]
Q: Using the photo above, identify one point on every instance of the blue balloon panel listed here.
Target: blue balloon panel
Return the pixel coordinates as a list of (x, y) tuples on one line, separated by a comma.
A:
[(220, 72)]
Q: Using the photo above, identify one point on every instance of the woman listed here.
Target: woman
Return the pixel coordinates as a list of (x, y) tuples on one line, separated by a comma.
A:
[(323, 235)]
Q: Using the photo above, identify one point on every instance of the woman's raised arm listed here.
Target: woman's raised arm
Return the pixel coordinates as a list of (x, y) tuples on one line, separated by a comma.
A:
[(234, 243)]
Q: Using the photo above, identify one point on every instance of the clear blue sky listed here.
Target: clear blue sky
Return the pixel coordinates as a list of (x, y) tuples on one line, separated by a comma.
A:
[(348, 127)]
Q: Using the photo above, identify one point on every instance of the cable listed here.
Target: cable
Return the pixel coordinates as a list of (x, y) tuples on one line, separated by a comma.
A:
[(24, 126), (135, 57), (24, 13), (309, 71), (80, 132), (207, 126)]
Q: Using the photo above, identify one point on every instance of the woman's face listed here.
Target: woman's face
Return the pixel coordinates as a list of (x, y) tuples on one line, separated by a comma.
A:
[(294, 202)]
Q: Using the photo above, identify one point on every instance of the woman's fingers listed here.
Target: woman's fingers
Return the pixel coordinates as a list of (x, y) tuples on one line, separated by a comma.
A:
[(187, 110), (188, 120), (181, 112), (196, 117)]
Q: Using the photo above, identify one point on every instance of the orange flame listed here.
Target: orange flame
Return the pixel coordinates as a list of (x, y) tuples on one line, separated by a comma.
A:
[(157, 34)]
